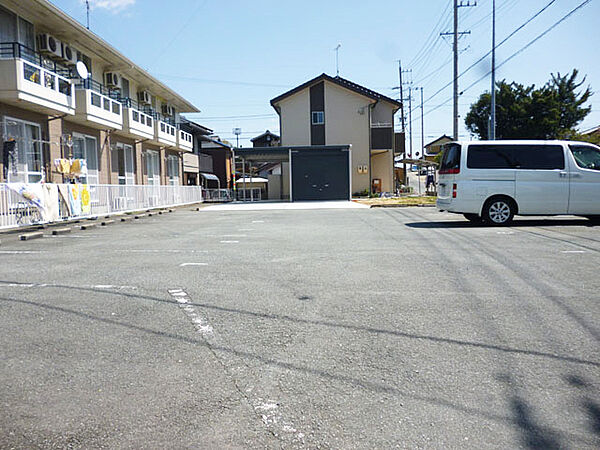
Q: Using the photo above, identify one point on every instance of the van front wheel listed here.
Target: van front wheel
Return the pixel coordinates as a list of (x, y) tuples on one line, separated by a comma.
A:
[(498, 211)]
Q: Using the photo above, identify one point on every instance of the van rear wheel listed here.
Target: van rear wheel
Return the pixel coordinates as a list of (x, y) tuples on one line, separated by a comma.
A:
[(498, 211)]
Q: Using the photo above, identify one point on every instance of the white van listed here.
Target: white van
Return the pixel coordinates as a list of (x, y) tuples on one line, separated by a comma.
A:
[(491, 181)]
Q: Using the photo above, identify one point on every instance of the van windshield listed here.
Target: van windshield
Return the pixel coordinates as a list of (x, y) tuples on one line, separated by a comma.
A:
[(451, 159), (586, 156)]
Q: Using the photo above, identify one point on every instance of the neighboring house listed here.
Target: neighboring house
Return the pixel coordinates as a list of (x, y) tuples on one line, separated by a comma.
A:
[(221, 153), (435, 147), (196, 165), (334, 111), (120, 119), (267, 139)]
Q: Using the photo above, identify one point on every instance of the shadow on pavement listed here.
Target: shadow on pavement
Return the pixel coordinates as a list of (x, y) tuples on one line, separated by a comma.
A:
[(515, 223)]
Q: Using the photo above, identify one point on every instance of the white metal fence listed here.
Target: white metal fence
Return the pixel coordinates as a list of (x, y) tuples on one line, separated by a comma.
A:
[(16, 210), (217, 195)]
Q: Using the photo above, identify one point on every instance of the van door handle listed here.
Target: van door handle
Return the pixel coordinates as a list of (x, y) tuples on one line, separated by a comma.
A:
[(562, 174)]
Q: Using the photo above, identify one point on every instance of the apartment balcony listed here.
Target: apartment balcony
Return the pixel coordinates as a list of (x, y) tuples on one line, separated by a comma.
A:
[(165, 133), (26, 82), (136, 122), (185, 141), (95, 108), (382, 136)]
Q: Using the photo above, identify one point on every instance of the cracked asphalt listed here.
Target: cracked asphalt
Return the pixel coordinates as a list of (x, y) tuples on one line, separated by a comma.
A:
[(346, 328)]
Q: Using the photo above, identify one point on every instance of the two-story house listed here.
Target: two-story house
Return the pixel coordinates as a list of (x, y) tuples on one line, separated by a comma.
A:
[(66, 93), (334, 111)]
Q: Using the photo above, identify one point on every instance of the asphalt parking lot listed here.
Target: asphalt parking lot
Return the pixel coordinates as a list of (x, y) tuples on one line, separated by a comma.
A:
[(320, 328)]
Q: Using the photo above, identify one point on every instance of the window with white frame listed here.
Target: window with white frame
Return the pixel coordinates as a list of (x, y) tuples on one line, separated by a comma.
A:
[(173, 169), (86, 147), (27, 164), (153, 167), (318, 117), (123, 163)]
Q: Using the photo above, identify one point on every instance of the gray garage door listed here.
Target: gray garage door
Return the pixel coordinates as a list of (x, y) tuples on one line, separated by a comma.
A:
[(320, 175)]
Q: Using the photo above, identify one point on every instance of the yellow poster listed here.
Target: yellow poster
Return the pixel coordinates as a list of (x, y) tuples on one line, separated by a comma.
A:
[(86, 207)]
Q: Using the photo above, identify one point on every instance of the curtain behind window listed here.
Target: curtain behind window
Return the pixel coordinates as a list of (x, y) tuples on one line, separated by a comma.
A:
[(8, 26)]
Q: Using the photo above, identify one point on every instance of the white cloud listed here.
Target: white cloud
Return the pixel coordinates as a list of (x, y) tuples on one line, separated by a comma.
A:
[(111, 5)]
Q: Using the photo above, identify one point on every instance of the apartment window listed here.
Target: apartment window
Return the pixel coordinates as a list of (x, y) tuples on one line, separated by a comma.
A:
[(86, 147), (8, 26), (26, 34), (173, 170), (123, 163), (124, 87), (318, 117), (153, 167), (29, 155)]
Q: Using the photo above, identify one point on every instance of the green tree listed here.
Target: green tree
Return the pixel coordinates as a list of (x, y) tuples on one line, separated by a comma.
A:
[(524, 112)]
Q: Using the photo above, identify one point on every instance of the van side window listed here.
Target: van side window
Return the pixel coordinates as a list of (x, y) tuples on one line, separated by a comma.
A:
[(586, 156), (482, 156), (539, 157)]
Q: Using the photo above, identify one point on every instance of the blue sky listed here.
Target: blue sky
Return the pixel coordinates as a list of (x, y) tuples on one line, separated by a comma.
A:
[(231, 57)]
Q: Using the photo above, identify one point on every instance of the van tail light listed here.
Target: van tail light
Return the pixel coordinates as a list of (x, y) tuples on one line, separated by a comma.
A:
[(449, 171), (454, 190)]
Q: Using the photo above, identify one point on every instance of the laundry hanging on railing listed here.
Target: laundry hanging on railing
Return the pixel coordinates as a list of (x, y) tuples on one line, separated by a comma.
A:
[(32, 192)]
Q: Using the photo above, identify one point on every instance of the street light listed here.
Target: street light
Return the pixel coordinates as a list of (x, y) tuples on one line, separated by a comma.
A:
[(237, 132)]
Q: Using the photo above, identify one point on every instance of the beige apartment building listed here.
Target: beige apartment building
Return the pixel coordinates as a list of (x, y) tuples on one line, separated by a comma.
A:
[(121, 120), (334, 111)]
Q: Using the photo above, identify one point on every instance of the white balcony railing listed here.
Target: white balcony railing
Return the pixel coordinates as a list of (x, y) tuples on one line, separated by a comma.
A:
[(185, 141), (22, 80), (16, 210), (99, 108), (138, 123), (165, 133)]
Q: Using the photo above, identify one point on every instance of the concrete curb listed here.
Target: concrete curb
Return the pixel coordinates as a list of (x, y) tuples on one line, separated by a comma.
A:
[(139, 216), (107, 222), (88, 226), (125, 219), (33, 235), (58, 231)]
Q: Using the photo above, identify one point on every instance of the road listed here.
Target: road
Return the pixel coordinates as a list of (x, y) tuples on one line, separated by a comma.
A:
[(347, 328)]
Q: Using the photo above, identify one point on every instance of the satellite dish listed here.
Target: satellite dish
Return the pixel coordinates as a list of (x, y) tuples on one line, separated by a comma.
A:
[(82, 70)]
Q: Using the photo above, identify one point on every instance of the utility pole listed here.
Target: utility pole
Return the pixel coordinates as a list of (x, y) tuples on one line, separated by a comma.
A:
[(422, 128), (492, 133), (404, 176), (455, 34), (410, 120)]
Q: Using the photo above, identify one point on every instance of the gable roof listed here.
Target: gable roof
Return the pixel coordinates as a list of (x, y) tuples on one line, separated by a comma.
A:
[(340, 82), (443, 136), (265, 134)]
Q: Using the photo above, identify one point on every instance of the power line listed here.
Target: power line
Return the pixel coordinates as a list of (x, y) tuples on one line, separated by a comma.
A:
[(529, 44), (502, 42)]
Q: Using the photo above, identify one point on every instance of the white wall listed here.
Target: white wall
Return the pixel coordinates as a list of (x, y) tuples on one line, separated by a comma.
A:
[(295, 119), (345, 125)]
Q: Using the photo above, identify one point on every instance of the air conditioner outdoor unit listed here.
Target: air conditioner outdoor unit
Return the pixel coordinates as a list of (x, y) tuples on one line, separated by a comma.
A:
[(69, 54), (168, 110), (112, 80), (49, 45), (145, 97)]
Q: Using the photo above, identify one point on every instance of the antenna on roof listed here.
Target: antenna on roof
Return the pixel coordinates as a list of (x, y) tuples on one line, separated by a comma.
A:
[(337, 62), (87, 8)]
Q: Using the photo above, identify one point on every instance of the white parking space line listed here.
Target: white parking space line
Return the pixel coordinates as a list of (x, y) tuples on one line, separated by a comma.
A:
[(230, 242), (193, 264), (573, 251), (21, 252), (258, 221), (46, 285), (200, 323)]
